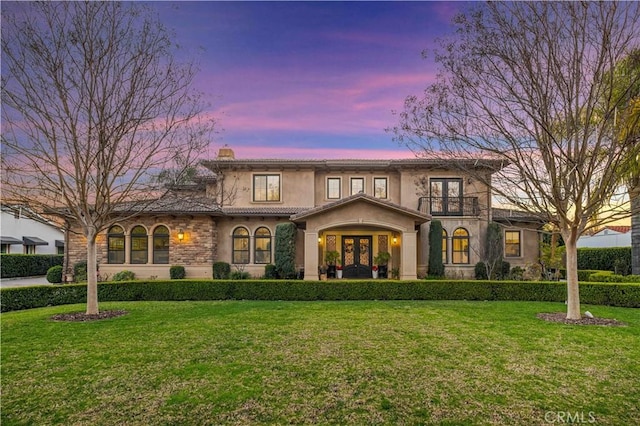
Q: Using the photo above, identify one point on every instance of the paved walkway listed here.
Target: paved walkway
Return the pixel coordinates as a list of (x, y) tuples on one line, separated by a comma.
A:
[(23, 282)]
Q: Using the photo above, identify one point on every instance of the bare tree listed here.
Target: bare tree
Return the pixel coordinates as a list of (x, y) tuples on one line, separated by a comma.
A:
[(528, 84), (94, 105)]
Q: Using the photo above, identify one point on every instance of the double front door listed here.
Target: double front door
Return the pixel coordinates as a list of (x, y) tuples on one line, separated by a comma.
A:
[(356, 256)]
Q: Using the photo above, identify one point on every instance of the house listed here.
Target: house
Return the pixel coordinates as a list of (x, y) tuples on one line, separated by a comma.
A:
[(26, 232), (609, 236), (356, 207)]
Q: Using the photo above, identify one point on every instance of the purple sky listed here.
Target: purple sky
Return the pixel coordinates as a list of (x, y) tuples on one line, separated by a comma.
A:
[(309, 79)]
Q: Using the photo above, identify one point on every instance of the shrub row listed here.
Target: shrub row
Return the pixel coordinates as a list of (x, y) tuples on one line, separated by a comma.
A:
[(27, 265), (626, 295), (616, 259), (610, 277)]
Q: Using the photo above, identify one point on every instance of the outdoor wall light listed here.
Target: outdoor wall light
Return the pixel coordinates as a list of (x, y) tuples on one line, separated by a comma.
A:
[(180, 235), (395, 240), (319, 240)]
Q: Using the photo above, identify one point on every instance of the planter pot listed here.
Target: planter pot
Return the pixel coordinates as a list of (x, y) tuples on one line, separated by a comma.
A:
[(339, 273), (383, 271), (331, 271), (374, 274)]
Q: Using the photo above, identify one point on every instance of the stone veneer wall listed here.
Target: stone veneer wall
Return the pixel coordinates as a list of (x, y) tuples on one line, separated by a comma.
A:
[(197, 252)]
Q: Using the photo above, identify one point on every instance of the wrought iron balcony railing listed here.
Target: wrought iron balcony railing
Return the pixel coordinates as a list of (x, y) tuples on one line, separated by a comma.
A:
[(449, 206)]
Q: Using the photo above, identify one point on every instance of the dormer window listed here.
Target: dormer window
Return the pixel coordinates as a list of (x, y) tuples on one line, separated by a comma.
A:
[(266, 188), (333, 188), (380, 187), (357, 185)]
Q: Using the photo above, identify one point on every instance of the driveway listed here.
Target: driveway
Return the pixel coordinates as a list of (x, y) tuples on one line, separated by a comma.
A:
[(23, 282)]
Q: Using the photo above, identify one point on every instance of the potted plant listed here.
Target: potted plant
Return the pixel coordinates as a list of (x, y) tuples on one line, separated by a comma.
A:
[(331, 257), (382, 260), (322, 271), (338, 269), (374, 271)]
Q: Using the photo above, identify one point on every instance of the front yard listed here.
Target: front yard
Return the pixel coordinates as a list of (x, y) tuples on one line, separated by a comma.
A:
[(249, 362)]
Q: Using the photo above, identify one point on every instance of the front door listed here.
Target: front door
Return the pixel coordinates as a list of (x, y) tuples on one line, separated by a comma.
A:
[(356, 257)]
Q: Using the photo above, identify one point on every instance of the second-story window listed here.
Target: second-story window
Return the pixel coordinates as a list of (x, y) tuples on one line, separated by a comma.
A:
[(266, 188), (357, 185), (446, 197), (380, 187), (333, 188)]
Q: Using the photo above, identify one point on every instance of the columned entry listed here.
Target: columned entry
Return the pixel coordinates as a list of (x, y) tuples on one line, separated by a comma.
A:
[(356, 256)]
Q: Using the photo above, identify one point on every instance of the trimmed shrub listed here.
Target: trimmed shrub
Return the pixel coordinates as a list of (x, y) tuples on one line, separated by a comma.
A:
[(604, 259), (286, 250), (240, 275), (221, 270), (610, 277), (124, 276), (503, 270), (27, 265), (624, 295), (80, 271), (516, 273), (177, 272), (494, 252), (481, 271), (270, 272), (436, 267), (54, 274)]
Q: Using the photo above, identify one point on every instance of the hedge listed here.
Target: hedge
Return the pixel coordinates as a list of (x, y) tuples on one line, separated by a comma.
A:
[(604, 258), (625, 295), (27, 265)]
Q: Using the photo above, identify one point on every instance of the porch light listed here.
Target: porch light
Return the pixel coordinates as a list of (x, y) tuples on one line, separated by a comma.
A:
[(180, 235), (319, 240), (395, 240)]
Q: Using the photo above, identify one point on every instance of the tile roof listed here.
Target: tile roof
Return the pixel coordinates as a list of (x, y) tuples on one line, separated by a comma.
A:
[(346, 163), (618, 228), (263, 211), (506, 215), (172, 204), (364, 197)]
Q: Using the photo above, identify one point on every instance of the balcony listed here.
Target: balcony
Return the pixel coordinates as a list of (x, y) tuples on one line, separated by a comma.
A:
[(448, 206)]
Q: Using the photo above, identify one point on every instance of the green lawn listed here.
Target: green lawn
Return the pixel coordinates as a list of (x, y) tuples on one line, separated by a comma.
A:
[(245, 362)]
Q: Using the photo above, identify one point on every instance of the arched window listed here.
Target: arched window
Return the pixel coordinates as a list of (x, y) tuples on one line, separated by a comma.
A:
[(240, 246), (115, 244), (139, 245), (445, 258), (460, 242), (262, 252), (161, 245)]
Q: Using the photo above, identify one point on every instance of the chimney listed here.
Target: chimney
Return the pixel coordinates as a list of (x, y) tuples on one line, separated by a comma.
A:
[(226, 153)]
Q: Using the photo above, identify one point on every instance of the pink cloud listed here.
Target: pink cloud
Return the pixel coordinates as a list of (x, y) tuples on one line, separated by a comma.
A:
[(357, 104), (253, 152)]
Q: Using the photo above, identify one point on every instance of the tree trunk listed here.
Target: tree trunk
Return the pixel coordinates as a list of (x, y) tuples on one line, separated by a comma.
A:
[(573, 291), (92, 276), (634, 196)]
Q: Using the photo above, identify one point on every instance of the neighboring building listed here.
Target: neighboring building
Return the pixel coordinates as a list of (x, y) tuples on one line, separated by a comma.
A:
[(24, 231), (356, 207), (609, 236)]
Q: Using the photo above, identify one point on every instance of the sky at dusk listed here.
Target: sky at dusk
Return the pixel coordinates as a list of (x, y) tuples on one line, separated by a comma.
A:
[(309, 79)]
